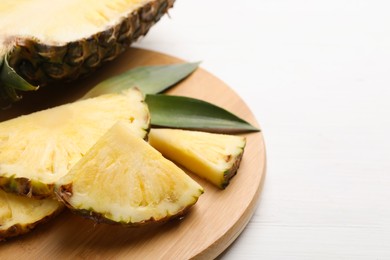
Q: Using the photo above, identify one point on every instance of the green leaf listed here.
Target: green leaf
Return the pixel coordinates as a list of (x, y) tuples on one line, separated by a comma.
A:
[(149, 79), (194, 114), (10, 81)]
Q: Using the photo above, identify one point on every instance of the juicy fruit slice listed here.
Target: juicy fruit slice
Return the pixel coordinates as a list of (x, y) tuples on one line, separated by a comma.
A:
[(46, 41), (214, 157), (19, 215), (122, 179), (38, 149)]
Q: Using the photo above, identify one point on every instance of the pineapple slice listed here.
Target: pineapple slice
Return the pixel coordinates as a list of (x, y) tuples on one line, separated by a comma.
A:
[(122, 179), (38, 149), (214, 157), (19, 215), (65, 39)]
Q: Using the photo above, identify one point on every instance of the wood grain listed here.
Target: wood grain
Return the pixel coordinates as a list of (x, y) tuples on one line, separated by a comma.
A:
[(205, 232)]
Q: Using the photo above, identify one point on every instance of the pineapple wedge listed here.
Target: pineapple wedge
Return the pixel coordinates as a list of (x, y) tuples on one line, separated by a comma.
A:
[(214, 157), (38, 149), (122, 179), (19, 215)]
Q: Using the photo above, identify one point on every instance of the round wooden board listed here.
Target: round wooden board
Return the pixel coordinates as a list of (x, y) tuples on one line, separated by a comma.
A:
[(204, 233)]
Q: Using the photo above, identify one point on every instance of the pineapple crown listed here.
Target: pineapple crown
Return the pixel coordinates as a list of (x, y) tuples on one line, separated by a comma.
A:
[(11, 82)]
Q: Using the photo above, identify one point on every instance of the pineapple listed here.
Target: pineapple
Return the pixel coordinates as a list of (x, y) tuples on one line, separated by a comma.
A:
[(46, 41), (214, 157), (38, 149), (19, 215), (122, 179)]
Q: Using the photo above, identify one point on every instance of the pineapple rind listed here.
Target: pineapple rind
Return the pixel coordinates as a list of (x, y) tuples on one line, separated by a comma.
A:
[(31, 161), (26, 187), (19, 215), (122, 179), (97, 217), (229, 174), (40, 62), (214, 157)]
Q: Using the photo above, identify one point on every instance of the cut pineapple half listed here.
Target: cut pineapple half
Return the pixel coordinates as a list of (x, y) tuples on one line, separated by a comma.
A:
[(64, 21), (19, 215), (214, 157), (46, 41), (122, 179), (38, 149)]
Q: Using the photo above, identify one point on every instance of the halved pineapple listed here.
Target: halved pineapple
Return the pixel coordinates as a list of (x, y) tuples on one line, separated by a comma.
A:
[(38, 149), (46, 41), (214, 157), (19, 215), (122, 179)]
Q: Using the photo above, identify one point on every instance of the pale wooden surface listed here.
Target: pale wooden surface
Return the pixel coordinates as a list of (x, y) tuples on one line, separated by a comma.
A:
[(215, 221)]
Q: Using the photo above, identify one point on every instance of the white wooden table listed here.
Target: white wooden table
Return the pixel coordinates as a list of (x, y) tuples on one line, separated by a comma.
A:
[(317, 76)]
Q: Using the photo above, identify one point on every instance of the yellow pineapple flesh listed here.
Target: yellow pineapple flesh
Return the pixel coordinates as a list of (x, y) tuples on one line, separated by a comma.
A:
[(38, 149), (62, 21), (214, 157), (122, 179), (19, 215), (49, 41)]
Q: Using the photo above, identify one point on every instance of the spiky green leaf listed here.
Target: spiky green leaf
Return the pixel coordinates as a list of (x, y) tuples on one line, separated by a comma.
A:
[(10, 81), (149, 79), (189, 113)]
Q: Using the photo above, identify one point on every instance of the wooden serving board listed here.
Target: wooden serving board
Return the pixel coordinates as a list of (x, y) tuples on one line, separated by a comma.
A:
[(205, 232)]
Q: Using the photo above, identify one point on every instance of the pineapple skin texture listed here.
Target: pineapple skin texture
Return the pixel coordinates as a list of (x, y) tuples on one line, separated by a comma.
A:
[(42, 64), (26, 187)]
